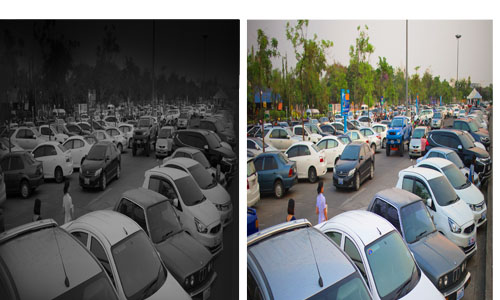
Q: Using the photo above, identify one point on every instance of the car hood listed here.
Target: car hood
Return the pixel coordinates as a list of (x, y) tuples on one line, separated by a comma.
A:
[(164, 142), (396, 130), (171, 289), (141, 129), (205, 212), (471, 194), (226, 152), (459, 212), (436, 255), (92, 165), (183, 255), (346, 165), (423, 290), (416, 142), (480, 153), (217, 195)]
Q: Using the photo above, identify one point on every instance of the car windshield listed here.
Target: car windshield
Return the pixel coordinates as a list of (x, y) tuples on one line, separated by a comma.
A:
[(213, 142), (190, 193), (351, 152), (97, 152), (455, 177), (398, 122), (454, 158), (144, 122), (315, 147), (436, 115), (97, 287), (162, 221), (259, 142), (418, 133), (202, 177), (387, 251), (138, 265), (473, 126), (202, 159), (165, 133), (467, 142), (351, 287), (417, 221), (443, 191)]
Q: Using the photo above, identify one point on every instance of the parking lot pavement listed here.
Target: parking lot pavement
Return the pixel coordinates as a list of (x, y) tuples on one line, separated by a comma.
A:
[(272, 211), (18, 211)]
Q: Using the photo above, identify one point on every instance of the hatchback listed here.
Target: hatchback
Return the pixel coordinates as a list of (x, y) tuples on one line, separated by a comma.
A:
[(356, 163), (101, 165), (56, 160)]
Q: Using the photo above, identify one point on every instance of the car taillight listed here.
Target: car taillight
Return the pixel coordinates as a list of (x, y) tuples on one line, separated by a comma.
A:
[(67, 159), (367, 141), (379, 137), (290, 173), (248, 185), (257, 224), (321, 159)]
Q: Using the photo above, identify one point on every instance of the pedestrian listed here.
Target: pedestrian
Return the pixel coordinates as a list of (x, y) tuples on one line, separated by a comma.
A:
[(291, 211), (68, 207), (36, 210), (471, 169), (321, 206)]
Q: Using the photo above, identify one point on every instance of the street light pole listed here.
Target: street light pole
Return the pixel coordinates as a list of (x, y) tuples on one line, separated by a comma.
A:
[(458, 36), (406, 70)]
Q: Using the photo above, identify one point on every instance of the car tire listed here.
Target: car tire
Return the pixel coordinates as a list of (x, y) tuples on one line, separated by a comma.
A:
[(401, 149), (387, 150), (374, 148), (279, 190), (383, 143), (58, 175), (311, 175), (146, 148), (134, 149), (372, 171), (24, 189), (357, 182), (103, 180), (118, 171), (120, 148)]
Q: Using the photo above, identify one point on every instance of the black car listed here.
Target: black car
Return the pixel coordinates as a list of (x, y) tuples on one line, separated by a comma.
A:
[(206, 142), (463, 145), (102, 164), (472, 128), (216, 126), (356, 163), (74, 129), (22, 173)]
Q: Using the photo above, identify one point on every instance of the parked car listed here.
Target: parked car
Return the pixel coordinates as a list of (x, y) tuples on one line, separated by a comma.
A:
[(345, 139), (74, 129), (452, 216), (356, 163), (208, 185), (253, 189), (252, 221), (356, 135), (7, 146), (255, 146), (118, 137), (381, 129), (316, 129), (21, 173), (102, 136), (311, 162), (478, 134), (26, 138), (56, 160), (30, 252), (198, 216), (332, 147), (418, 142), (380, 254), (127, 255), (443, 262), (111, 121), (462, 186), (164, 141), (365, 121), (280, 138), (215, 125), (437, 120), (298, 131), (276, 173), (295, 261), (374, 139), (189, 261), (51, 133), (127, 130), (100, 166), (329, 129), (78, 147)]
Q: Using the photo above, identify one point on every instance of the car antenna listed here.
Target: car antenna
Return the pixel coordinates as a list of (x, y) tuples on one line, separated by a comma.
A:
[(320, 280), (66, 280), (379, 231), (125, 230)]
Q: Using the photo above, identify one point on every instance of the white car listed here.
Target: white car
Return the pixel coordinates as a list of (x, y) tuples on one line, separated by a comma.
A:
[(127, 130), (173, 115), (182, 121), (461, 113), (456, 112), (164, 141), (253, 188), (365, 121), (382, 130), (382, 257), (418, 141), (332, 147), (49, 133), (119, 138), (127, 254), (208, 185), (311, 162), (356, 135), (463, 187), (308, 135), (254, 145), (452, 216), (198, 216), (79, 147), (111, 121), (280, 138), (26, 138), (103, 136), (375, 140), (56, 160)]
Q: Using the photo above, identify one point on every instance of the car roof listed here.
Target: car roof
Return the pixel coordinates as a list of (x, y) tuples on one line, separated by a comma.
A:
[(32, 251), (187, 150), (113, 225), (183, 162), (456, 131), (366, 225), (356, 143), (144, 197), (421, 127), (288, 262), (306, 143), (436, 161), (53, 143), (175, 174), (397, 197), (427, 173), (201, 131), (441, 149)]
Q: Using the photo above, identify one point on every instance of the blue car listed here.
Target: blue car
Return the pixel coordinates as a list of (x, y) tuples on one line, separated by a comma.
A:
[(277, 173), (252, 221)]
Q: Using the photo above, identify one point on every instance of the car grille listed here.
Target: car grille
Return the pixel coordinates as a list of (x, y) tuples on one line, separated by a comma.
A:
[(215, 229), (89, 173), (469, 229), (479, 206), (225, 207), (202, 275), (468, 248), (342, 173), (455, 276), (392, 133)]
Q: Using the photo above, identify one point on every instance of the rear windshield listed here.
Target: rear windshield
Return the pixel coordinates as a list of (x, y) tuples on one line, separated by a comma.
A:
[(351, 287), (97, 287)]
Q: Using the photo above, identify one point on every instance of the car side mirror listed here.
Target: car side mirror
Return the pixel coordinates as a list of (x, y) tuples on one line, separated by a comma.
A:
[(288, 137), (460, 148), (205, 147), (429, 202), (176, 202)]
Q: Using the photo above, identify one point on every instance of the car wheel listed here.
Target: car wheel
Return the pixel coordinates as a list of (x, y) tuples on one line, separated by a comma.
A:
[(120, 148), (401, 149), (130, 143), (383, 143), (374, 148), (58, 175), (25, 189), (103, 180), (372, 171), (357, 182), (146, 148), (118, 172), (278, 189), (312, 176), (387, 150), (134, 149)]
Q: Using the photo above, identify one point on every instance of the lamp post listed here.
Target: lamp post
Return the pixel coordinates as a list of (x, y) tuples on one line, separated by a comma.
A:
[(458, 36)]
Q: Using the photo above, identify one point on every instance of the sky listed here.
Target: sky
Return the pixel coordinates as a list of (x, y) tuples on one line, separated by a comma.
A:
[(431, 44), (178, 45)]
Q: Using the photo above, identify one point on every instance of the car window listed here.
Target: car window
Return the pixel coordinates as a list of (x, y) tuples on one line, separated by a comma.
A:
[(250, 144), (332, 144), (20, 134), (133, 211), (270, 163), (5, 163), (97, 249), (16, 163), (163, 187), (69, 144), (50, 150), (304, 151), (39, 152), (433, 154), (351, 250), (293, 152), (78, 144), (392, 217), (275, 134), (335, 236), (283, 134), (408, 184), (259, 164), (322, 144), (81, 236), (253, 290), (421, 190)]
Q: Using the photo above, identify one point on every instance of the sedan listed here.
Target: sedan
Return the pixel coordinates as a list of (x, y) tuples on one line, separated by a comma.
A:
[(253, 189), (255, 146), (119, 138), (356, 163), (374, 139), (381, 129), (275, 173), (311, 161), (21, 173), (26, 138), (56, 160), (332, 147), (127, 130), (418, 142), (79, 147), (102, 164)]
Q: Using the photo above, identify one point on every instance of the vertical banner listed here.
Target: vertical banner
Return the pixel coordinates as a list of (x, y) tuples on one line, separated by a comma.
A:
[(440, 100), (416, 105)]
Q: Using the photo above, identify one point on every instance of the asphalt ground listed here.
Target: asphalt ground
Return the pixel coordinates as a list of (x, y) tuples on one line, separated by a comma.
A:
[(18, 211), (272, 211)]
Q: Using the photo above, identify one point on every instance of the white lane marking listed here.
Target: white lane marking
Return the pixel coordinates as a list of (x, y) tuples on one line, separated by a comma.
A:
[(98, 197)]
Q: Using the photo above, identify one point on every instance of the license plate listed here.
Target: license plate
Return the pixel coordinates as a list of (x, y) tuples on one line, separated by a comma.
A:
[(471, 241), (86, 180), (392, 142), (206, 293), (460, 293), (341, 181)]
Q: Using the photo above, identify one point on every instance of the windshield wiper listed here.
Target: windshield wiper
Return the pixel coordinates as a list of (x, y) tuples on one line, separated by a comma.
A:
[(146, 292), (420, 235), (199, 201), (164, 237), (403, 287)]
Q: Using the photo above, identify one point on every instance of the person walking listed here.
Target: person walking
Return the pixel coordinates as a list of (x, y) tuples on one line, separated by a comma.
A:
[(68, 207), (321, 207), (36, 210), (291, 211)]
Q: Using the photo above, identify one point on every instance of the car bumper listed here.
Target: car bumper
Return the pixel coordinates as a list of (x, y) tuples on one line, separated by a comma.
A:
[(68, 168), (36, 181), (213, 242), (453, 292), (322, 168), (226, 216), (290, 181), (203, 292), (415, 151), (462, 240), (253, 197), (89, 181), (480, 216), (162, 151), (343, 181)]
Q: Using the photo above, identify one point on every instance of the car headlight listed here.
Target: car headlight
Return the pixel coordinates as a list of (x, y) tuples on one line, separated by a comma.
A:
[(351, 172), (230, 139), (445, 281), (463, 267), (483, 139), (200, 226), (440, 282), (191, 280), (454, 227), (98, 172)]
